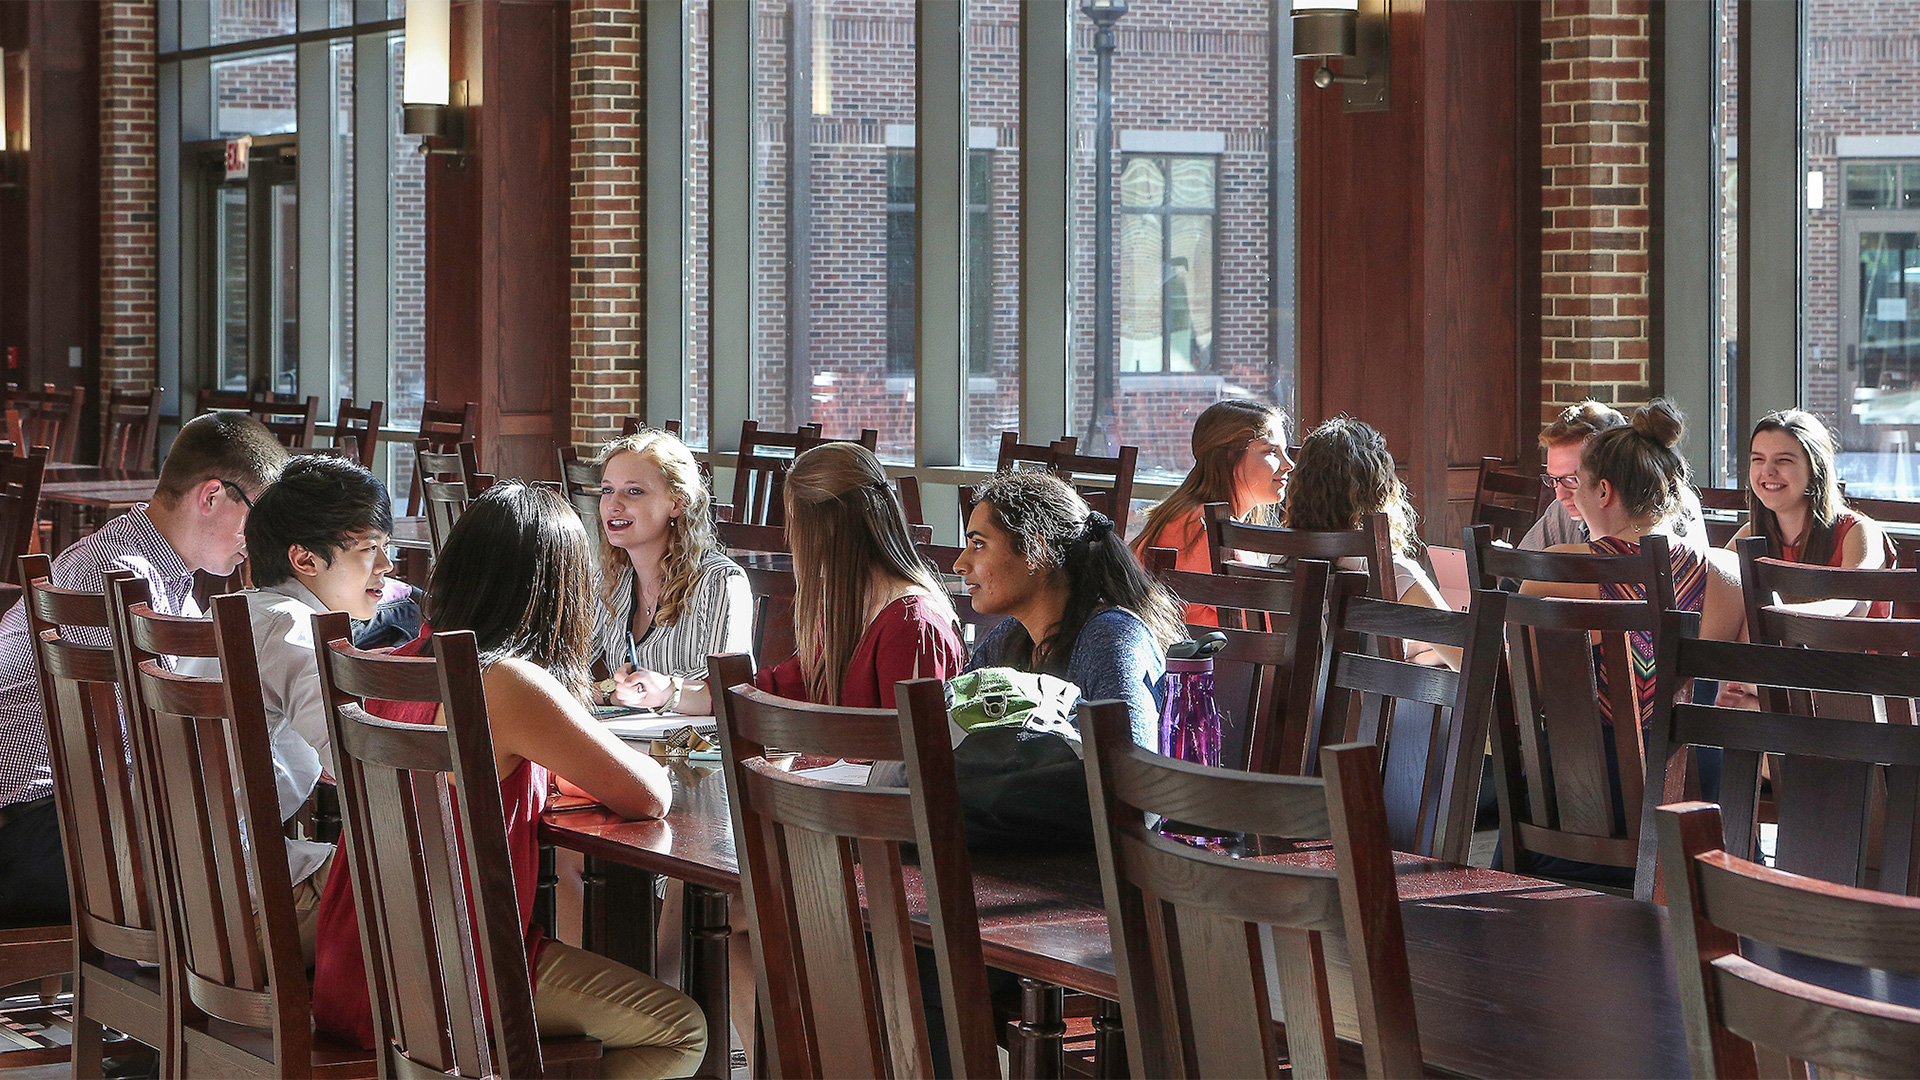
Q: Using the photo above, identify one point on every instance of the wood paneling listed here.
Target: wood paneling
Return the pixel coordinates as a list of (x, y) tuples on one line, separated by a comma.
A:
[(497, 236), (1419, 248)]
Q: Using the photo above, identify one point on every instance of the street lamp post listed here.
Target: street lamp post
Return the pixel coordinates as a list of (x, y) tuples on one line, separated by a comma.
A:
[(1104, 14)]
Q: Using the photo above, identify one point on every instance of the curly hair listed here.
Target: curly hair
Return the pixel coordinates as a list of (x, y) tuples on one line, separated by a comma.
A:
[(690, 537), (1343, 474)]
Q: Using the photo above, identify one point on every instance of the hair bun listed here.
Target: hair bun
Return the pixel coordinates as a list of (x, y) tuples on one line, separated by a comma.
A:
[(1661, 421)]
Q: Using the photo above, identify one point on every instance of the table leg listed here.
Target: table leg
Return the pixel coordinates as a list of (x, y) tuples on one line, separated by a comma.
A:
[(1109, 1042), (704, 973), (545, 887), (619, 920), (1039, 1039)]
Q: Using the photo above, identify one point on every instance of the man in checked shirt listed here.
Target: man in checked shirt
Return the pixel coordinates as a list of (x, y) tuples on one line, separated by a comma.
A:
[(197, 521)]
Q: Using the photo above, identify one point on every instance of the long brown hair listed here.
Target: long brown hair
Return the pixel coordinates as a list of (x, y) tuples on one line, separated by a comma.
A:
[(844, 523), (1823, 486), (515, 571), (1220, 437), (1639, 460), (690, 537), (1344, 473), (1058, 533)]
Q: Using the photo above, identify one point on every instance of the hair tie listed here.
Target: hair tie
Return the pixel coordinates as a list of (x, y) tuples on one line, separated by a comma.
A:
[(1097, 525)]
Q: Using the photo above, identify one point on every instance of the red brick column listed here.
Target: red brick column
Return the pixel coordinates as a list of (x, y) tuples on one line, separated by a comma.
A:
[(608, 215), (1594, 156), (128, 194)]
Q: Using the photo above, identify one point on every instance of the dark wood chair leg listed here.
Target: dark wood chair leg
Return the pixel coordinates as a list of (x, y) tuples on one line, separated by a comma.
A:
[(705, 977), (1039, 1038), (1109, 1042), (545, 890)]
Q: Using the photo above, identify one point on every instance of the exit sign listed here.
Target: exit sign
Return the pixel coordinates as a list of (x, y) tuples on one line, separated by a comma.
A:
[(237, 151)]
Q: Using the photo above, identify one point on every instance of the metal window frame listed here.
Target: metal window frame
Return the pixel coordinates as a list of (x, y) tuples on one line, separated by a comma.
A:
[(1166, 212)]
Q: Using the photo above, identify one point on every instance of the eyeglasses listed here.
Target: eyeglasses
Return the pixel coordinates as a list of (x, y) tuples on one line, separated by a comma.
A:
[(1571, 482), (238, 492)]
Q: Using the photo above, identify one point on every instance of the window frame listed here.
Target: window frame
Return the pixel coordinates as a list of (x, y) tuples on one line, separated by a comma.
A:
[(1165, 213)]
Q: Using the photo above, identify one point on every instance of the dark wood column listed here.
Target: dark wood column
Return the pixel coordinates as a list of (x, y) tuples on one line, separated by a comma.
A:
[(497, 236), (1419, 250)]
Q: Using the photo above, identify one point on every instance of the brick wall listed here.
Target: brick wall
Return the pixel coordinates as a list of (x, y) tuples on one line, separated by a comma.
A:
[(608, 209), (1594, 156), (128, 166)]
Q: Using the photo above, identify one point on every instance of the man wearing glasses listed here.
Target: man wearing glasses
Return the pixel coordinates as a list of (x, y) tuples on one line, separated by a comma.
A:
[(197, 521), (1563, 440)]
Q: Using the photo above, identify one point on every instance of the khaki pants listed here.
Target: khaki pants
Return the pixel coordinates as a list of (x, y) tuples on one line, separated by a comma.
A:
[(648, 1028), (306, 908)]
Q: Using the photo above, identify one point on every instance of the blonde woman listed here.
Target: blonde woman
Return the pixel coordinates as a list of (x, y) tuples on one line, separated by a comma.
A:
[(1239, 458), (669, 597), (867, 612)]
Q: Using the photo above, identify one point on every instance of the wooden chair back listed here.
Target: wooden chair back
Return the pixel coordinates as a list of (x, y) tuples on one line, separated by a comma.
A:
[(1111, 488), (1508, 500), (1824, 766), (1274, 643), (118, 914), (443, 429), (974, 624), (1372, 543), (773, 590), (1551, 735), (208, 776), (1906, 544), (1766, 584), (293, 424), (1727, 512), (360, 424), (907, 486), (1014, 453), (1194, 983), (133, 428), (19, 508), (49, 416), (1431, 723), (1748, 1011), (631, 425), (739, 536), (581, 482), (838, 1000), (760, 470), (434, 927), (443, 503), (206, 401)]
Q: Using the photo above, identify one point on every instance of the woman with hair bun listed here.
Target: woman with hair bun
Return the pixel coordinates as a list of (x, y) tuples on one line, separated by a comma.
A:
[(1631, 477), (1239, 458), (1079, 605), (867, 611)]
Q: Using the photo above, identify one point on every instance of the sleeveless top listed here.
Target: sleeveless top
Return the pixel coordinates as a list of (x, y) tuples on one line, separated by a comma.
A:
[(1689, 594), (1842, 525), (342, 1006)]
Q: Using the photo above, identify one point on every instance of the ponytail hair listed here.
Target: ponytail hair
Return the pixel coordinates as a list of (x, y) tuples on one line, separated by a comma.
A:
[(1640, 459), (1057, 531)]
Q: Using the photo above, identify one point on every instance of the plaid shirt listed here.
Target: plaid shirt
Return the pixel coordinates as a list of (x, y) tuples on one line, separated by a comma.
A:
[(128, 542)]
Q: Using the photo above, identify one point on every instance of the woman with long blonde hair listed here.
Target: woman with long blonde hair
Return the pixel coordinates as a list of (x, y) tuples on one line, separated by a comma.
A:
[(669, 598), (867, 611)]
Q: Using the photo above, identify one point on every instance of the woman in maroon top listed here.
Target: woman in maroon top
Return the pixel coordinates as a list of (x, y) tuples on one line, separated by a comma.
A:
[(867, 612), (515, 571)]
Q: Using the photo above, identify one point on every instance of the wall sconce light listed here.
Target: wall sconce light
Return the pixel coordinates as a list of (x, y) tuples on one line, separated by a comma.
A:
[(433, 104), (1354, 29), (12, 147)]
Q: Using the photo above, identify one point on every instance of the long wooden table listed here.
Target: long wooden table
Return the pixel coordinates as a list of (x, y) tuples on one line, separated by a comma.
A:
[(1512, 976)]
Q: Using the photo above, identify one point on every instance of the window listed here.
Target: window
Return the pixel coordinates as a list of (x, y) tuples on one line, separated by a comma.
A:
[(901, 269), (1167, 222)]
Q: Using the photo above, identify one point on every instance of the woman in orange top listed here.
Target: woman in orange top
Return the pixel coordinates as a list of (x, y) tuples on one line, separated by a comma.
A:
[(1239, 458)]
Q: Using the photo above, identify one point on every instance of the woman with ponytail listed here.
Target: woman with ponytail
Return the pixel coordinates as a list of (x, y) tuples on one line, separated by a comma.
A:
[(867, 612), (1079, 605)]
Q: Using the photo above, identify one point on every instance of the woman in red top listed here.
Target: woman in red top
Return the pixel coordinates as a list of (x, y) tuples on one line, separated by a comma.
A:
[(1239, 458), (1794, 499), (867, 612), (515, 571)]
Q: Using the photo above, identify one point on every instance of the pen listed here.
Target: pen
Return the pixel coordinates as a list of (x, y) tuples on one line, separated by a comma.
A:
[(633, 653)]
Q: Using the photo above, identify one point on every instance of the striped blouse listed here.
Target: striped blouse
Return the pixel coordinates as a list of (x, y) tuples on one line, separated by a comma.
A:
[(717, 618), (1689, 594)]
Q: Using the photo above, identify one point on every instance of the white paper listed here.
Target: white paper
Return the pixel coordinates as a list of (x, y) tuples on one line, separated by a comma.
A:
[(840, 772), (648, 728)]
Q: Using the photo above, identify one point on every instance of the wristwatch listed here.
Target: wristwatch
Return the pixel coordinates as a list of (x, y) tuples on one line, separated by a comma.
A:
[(606, 687), (673, 699)]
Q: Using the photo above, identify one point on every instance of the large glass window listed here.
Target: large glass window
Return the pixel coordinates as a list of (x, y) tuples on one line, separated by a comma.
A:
[(1167, 219)]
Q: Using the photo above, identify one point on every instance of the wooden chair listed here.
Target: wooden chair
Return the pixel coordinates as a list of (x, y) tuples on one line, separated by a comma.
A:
[(1826, 763), (758, 475), (1194, 984), (117, 911), (773, 590), (838, 1000), (41, 954), (631, 425), (1274, 645), (1014, 453), (1113, 495), (1551, 738), (1508, 500), (434, 927), (1746, 1007), (1729, 509), (1767, 583), (206, 401), (443, 503), (21, 476), (907, 486), (362, 425), (208, 778), (1906, 545), (1430, 722), (974, 624), (49, 416), (581, 482), (1372, 543), (293, 424), (443, 429), (133, 427)]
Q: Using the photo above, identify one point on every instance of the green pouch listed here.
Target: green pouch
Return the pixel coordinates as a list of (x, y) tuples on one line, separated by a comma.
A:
[(1007, 697)]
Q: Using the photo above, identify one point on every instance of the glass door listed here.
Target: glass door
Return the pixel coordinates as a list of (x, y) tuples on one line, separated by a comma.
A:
[(1880, 354), (251, 266)]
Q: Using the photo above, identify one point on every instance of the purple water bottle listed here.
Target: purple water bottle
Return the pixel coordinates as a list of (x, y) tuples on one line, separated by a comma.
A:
[(1189, 722)]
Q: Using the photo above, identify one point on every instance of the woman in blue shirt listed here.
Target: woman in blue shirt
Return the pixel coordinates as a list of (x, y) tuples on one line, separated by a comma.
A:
[(1080, 606)]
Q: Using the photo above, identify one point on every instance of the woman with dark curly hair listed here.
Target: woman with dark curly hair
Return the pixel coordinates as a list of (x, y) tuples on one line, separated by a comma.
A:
[(1080, 606)]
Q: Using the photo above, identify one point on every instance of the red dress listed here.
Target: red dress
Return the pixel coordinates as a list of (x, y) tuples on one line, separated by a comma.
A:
[(909, 639), (1842, 525), (342, 1006)]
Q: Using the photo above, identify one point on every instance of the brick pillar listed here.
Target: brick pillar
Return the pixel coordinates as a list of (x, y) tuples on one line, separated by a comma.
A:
[(608, 215), (1594, 156), (128, 193)]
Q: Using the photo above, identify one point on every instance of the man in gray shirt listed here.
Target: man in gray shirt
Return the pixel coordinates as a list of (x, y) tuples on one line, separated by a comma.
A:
[(1563, 440)]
